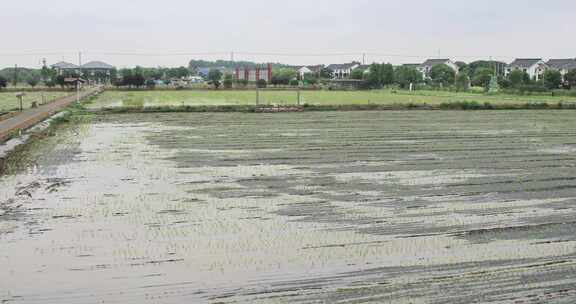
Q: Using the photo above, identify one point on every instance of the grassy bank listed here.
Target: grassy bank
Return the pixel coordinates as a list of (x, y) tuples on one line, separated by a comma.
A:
[(465, 106), (9, 101)]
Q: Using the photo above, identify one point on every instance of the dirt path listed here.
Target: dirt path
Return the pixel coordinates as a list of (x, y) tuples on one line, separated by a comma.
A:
[(30, 117)]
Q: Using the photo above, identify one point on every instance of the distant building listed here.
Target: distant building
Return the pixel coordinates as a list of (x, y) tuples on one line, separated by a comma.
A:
[(426, 67), (411, 65), (94, 67), (98, 71), (254, 74), (310, 69), (94, 70), (63, 67), (562, 65), (534, 67), (342, 71)]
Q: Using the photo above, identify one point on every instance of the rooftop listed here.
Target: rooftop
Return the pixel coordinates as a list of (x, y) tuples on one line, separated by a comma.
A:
[(97, 65), (342, 66), (525, 62), (433, 62), (64, 65), (560, 64)]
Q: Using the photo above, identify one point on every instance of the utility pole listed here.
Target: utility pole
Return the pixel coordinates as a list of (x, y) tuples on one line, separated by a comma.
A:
[(78, 79), (363, 58), (15, 75), (232, 56)]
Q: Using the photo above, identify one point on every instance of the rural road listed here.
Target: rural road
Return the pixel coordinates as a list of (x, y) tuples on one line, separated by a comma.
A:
[(30, 117)]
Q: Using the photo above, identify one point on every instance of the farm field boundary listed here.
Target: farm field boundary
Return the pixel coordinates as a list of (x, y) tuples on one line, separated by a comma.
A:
[(464, 106), (30, 117)]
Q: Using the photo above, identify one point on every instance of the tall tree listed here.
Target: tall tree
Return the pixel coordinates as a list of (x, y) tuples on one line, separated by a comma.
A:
[(404, 76), (518, 78), (380, 75), (442, 74), (357, 74), (570, 78), (482, 77), (33, 80), (214, 76), (462, 82), (552, 79), (283, 76)]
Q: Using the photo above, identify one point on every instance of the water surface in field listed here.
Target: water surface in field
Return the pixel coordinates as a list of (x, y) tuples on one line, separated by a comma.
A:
[(360, 207)]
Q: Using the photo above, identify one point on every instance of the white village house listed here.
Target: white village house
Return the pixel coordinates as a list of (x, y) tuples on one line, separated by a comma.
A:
[(342, 71), (310, 69), (534, 67), (426, 67), (562, 65)]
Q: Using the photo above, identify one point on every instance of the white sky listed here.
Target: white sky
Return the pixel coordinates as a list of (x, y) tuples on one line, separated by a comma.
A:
[(391, 31)]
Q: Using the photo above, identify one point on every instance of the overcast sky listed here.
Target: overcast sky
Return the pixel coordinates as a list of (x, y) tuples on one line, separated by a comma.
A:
[(169, 32)]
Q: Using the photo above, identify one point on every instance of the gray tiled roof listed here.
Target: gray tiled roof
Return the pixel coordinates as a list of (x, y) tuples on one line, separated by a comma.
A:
[(559, 64), (433, 62), (97, 65), (342, 66), (524, 62), (64, 65)]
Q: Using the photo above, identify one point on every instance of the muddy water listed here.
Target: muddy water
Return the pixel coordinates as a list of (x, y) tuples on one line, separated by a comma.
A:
[(370, 207)]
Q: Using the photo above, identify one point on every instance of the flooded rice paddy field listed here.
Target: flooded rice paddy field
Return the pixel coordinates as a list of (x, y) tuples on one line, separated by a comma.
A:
[(330, 207)]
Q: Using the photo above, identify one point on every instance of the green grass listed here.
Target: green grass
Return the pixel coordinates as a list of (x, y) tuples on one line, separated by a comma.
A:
[(138, 99), (8, 100)]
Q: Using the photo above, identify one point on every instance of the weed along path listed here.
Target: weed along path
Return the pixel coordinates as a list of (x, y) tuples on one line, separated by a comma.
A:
[(312, 207), (30, 117)]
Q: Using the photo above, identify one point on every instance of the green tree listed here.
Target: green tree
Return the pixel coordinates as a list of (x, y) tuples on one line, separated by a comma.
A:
[(310, 79), (214, 77), (404, 76), (462, 67), (442, 74), (60, 80), (570, 78), (380, 75), (552, 79), (325, 73), (33, 80), (494, 66), (357, 74), (462, 82), (228, 80), (283, 76), (482, 77), (518, 78), (47, 73)]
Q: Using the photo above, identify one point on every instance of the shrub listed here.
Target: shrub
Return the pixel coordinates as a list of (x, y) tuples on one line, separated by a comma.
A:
[(3, 82), (532, 88), (261, 83)]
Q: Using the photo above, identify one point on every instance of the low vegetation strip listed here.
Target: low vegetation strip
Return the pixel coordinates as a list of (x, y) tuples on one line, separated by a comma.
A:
[(350, 107)]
